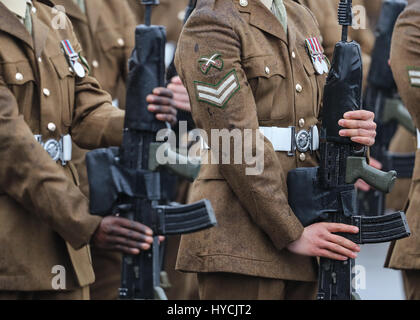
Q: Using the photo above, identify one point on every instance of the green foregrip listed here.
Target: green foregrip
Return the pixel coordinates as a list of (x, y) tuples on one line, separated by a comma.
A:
[(395, 110), (176, 163), (357, 168)]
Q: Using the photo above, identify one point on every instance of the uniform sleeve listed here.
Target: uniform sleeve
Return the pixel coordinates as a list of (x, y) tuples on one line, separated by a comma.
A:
[(222, 98), (96, 122), (35, 181)]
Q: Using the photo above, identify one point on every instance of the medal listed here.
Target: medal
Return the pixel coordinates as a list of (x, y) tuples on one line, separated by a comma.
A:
[(317, 55), (73, 59)]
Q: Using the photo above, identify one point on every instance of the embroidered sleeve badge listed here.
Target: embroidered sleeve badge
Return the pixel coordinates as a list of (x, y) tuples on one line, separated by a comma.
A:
[(414, 76), (218, 95), (213, 61)]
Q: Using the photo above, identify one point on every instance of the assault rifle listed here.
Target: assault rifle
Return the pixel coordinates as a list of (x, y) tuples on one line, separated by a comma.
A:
[(128, 180), (329, 189), (381, 97)]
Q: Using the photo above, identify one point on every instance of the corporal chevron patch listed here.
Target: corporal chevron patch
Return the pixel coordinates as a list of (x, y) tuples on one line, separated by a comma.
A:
[(414, 76), (218, 95)]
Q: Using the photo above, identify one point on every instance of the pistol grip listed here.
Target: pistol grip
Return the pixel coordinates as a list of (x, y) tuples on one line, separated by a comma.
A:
[(357, 168), (395, 110)]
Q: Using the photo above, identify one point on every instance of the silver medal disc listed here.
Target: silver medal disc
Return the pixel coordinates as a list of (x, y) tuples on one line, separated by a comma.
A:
[(318, 67), (78, 69)]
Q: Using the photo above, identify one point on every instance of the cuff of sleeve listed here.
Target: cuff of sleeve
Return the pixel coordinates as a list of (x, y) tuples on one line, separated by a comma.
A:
[(85, 232)]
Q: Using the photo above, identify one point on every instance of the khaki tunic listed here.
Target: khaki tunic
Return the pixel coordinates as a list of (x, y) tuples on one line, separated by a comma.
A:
[(405, 56), (44, 218), (255, 222)]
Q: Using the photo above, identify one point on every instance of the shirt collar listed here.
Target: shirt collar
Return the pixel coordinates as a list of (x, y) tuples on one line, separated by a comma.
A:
[(268, 3), (18, 7)]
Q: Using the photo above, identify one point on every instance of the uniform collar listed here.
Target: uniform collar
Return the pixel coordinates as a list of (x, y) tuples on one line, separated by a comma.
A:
[(72, 9), (262, 18), (10, 23), (268, 3), (18, 7)]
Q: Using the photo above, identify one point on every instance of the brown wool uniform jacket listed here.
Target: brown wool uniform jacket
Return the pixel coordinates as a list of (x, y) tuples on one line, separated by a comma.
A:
[(44, 217), (405, 63), (276, 86)]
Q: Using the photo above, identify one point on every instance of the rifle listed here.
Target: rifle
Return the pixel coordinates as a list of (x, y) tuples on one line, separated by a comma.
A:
[(381, 97), (128, 180), (329, 189)]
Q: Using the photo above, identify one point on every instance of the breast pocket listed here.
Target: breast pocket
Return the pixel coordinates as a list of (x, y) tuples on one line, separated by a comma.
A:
[(20, 79), (66, 86), (317, 85), (266, 76)]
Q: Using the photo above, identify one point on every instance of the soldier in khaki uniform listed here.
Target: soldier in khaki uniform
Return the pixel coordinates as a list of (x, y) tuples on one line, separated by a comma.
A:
[(246, 67), (45, 223), (405, 64), (105, 29)]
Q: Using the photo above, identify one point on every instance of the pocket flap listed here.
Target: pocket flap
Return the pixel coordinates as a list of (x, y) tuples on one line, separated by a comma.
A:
[(18, 73), (264, 66)]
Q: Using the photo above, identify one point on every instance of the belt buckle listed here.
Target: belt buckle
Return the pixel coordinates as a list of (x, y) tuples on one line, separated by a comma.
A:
[(303, 141), (53, 148)]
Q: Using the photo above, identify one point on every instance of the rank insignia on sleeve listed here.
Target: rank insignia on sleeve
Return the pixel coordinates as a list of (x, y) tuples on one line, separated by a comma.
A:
[(316, 52), (213, 61), (414, 76), (218, 95)]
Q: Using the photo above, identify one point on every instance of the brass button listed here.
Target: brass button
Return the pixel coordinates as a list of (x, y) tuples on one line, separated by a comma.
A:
[(33, 10), (51, 127), (243, 3), (120, 42), (95, 63), (267, 70), (299, 88), (302, 157), (71, 70), (293, 55), (302, 123), (19, 76), (39, 59), (46, 92), (181, 15)]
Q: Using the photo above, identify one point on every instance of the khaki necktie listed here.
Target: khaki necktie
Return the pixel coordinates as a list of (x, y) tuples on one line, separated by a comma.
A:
[(279, 10), (27, 21), (81, 4)]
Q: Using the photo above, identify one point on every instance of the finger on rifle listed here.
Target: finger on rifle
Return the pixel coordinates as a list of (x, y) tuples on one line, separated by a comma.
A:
[(181, 97), (335, 248), (166, 101), (131, 234), (331, 255), (164, 109), (359, 115), (176, 88), (135, 226), (163, 92), (115, 240), (343, 242), (341, 227), (125, 250), (357, 133), (357, 124)]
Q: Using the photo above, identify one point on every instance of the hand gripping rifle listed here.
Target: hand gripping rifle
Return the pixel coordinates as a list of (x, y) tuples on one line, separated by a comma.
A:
[(128, 180), (329, 189), (381, 97)]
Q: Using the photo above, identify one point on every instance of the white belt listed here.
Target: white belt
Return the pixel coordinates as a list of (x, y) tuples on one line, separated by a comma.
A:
[(58, 150), (287, 140)]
